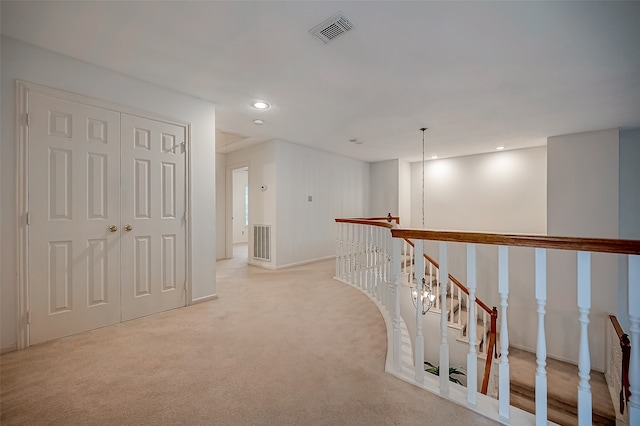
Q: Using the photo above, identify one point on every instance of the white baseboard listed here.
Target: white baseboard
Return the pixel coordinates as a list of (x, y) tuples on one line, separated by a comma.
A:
[(204, 299), (10, 348), (305, 262)]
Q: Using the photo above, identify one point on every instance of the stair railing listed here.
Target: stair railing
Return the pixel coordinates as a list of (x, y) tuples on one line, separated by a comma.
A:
[(617, 371), (489, 349), (371, 259), (628, 250)]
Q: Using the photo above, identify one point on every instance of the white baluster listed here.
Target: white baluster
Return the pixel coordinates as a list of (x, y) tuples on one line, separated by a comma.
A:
[(468, 314), (412, 266), (338, 229), (444, 344), (634, 329), (419, 349), (459, 305), (395, 265), (438, 305), (503, 369), (352, 254), (366, 240), (451, 292), (584, 358), (541, 350), (359, 239), (472, 356), (343, 259)]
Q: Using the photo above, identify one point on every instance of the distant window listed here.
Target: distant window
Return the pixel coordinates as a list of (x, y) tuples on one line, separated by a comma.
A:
[(246, 206)]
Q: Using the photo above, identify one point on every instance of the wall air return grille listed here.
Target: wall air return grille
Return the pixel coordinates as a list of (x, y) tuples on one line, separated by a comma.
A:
[(331, 28), (262, 242)]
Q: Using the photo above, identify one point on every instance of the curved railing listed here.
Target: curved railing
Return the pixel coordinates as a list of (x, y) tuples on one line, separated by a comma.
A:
[(583, 247), (372, 260)]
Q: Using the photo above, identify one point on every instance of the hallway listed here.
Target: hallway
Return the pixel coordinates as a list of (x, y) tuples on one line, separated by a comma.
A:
[(287, 347)]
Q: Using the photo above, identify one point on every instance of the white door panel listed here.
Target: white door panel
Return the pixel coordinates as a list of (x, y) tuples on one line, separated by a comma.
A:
[(153, 205), (74, 178), (107, 228)]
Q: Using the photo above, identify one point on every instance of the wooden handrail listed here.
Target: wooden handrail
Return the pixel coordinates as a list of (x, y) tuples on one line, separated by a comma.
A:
[(366, 221), (600, 245), (616, 326)]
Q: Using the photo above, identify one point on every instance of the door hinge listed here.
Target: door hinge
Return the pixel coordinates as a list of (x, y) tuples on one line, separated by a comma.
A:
[(28, 119), (28, 218), (28, 317), (183, 145)]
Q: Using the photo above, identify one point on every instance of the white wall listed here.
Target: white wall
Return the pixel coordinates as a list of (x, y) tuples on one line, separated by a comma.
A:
[(583, 201), (498, 192), (385, 188), (302, 230), (221, 182), (25, 62), (501, 192), (338, 186), (240, 182), (629, 218), (404, 192)]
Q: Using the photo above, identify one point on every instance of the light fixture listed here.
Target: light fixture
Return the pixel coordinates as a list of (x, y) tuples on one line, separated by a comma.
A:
[(261, 105), (258, 122), (427, 296), (499, 148), (434, 157), (423, 129), (426, 292)]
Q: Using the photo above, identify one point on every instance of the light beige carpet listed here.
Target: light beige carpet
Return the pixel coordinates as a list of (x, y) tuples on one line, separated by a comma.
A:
[(292, 347)]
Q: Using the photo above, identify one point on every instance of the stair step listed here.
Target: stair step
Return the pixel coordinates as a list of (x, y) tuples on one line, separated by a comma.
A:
[(562, 389)]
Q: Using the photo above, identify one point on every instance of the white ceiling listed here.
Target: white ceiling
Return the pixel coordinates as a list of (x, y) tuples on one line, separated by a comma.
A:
[(478, 74)]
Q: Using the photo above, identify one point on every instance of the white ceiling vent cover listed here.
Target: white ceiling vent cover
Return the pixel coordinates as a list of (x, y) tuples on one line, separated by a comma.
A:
[(331, 28)]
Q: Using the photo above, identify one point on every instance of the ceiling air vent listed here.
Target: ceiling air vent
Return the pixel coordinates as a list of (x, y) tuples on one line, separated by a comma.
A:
[(331, 28)]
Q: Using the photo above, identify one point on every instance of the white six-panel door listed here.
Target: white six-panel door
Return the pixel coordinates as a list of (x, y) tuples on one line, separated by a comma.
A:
[(153, 242), (74, 198), (107, 228)]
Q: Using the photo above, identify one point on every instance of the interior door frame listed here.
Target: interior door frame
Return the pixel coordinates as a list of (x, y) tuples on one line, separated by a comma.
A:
[(228, 226), (23, 89)]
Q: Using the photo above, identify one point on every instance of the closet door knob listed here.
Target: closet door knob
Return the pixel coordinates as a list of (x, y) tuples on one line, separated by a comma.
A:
[(113, 228), (128, 228)]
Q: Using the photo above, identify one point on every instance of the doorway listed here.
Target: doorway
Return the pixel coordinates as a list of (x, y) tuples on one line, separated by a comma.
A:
[(237, 226)]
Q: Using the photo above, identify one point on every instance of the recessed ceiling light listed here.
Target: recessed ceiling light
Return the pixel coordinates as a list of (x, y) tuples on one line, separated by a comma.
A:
[(258, 122), (261, 105), (499, 148), (434, 157)]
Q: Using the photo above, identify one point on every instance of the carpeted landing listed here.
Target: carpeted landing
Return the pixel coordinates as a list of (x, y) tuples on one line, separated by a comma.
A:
[(291, 347)]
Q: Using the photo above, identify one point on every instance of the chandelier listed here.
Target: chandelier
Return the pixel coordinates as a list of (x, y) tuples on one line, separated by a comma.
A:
[(427, 296)]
